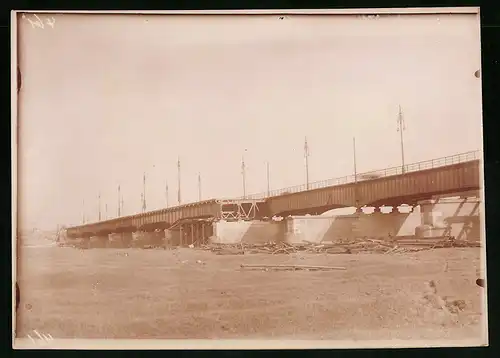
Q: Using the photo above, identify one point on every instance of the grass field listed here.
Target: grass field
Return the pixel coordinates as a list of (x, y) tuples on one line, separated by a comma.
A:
[(133, 293)]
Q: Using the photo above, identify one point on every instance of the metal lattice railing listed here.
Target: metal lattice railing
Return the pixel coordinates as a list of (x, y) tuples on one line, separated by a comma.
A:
[(408, 168)]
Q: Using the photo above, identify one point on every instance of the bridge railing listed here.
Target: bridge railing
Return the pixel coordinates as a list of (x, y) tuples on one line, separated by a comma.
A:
[(407, 168)]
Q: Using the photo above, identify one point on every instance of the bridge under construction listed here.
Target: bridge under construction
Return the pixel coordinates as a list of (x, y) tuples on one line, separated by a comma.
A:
[(391, 186)]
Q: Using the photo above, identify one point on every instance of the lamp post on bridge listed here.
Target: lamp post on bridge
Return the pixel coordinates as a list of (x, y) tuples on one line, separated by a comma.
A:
[(306, 158), (355, 172), (179, 180), (401, 128), (83, 211), (166, 192), (144, 202), (268, 181), (99, 203), (144, 193), (243, 175), (119, 201), (199, 186)]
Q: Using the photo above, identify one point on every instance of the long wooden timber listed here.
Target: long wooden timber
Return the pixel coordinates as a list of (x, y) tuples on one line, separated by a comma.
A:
[(227, 209)]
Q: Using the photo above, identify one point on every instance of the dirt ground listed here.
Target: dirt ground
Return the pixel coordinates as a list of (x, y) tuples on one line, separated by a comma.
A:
[(195, 294)]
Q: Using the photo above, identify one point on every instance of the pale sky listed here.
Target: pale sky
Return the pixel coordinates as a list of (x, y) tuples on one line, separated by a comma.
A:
[(108, 97)]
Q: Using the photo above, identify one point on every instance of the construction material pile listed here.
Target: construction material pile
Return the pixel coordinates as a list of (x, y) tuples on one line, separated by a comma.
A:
[(347, 246)]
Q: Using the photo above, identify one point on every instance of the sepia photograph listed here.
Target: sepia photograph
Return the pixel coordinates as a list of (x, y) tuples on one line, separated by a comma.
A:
[(276, 179)]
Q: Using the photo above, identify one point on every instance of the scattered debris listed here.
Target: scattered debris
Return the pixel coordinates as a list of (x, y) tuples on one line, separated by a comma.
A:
[(384, 245), (455, 306), (389, 245), (292, 267), (230, 251)]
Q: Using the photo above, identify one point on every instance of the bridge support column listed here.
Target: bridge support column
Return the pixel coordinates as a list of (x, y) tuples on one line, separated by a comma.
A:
[(450, 217), (159, 237), (126, 239), (181, 236), (167, 241), (429, 215), (102, 241), (85, 243), (120, 240), (171, 237), (202, 236)]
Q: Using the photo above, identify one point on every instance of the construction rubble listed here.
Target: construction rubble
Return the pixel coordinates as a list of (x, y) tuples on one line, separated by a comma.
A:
[(389, 245), (347, 246)]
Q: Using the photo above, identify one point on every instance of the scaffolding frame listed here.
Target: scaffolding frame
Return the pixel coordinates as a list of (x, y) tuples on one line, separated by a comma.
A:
[(240, 213)]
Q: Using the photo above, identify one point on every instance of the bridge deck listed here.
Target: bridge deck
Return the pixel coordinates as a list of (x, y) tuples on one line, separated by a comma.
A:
[(449, 174)]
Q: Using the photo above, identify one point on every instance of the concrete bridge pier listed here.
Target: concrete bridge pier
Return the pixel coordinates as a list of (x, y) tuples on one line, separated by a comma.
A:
[(429, 216), (120, 240), (171, 237), (126, 239), (388, 222), (102, 241), (457, 217), (431, 221), (85, 242), (96, 241), (253, 231), (146, 238), (157, 237)]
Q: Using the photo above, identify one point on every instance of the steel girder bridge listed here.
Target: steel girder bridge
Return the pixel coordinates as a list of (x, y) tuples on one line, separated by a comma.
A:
[(451, 174)]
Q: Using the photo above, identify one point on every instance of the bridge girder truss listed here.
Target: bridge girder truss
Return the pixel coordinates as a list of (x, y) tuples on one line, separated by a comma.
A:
[(239, 210)]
